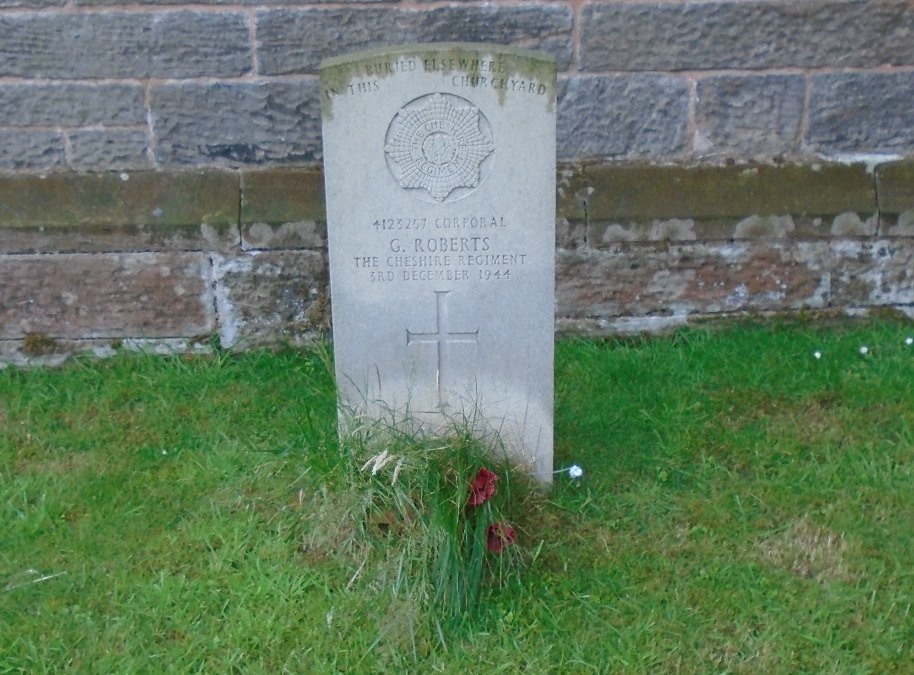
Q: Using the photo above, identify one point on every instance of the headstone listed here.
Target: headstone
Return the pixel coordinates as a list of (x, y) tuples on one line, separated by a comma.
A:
[(439, 164)]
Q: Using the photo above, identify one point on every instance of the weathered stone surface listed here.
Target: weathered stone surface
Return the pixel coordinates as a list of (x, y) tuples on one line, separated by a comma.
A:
[(748, 116), (281, 48), (688, 279), (868, 273), (282, 196), (31, 150), (54, 352), (698, 35), (109, 295), (625, 117), (125, 44), (292, 235), (115, 199), (237, 124), (622, 227), (261, 3), (724, 277), (115, 3), (117, 238), (71, 104), (109, 149), (667, 192), (283, 209), (258, 3), (601, 234), (570, 234), (895, 184), (38, 4), (895, 187), (572, 191), (862, 113), (264, 296)]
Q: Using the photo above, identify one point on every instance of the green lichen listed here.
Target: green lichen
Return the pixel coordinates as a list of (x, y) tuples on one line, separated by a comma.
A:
[(38, 344), (339, 72)]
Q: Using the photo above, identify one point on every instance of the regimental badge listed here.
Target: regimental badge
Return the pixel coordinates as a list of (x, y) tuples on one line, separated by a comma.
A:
[(439, 143)]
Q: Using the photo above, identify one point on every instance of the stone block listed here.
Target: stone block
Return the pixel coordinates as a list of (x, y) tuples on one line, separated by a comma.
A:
[(600, 234), (31, 150), (603, 234), (340, 30), (269, 296), (235, 124), (895, 189), (112, 199), (706, 278), (623, 117), (872, 273), (261, 3), (143, 211), (570, 234), (748, 116), (283, 209), (109, 149), (36, 4), (696, 278), (675, 192), (145, 295), (125, 44), (862, 113), (572, 191), (115, 3), (619, 204), (258, 3), (117, 238), (71, 104), (699, 35)]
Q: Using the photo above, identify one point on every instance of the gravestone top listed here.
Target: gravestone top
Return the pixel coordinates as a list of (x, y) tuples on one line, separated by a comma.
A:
[(439, 163), (502, 69)]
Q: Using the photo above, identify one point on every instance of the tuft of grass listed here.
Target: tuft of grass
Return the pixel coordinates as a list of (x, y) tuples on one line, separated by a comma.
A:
[(401, 521)]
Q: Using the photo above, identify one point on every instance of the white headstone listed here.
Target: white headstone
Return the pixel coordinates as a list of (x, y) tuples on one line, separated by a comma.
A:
[(439, 164)]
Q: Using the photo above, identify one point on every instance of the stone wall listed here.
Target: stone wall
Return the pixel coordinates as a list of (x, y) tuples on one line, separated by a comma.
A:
[(176, 259), (160, 162), (156, 84)]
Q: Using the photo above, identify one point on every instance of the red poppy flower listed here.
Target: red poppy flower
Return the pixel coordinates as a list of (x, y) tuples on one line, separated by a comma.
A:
[(498, 536), (482, 487)]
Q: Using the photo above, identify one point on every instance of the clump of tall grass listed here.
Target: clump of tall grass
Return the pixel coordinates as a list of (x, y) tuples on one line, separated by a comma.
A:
[(428, 525)]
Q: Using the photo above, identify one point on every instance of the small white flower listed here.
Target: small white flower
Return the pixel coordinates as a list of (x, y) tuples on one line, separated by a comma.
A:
[(574, 471), (864, 350), (817, 355), (909, 341)]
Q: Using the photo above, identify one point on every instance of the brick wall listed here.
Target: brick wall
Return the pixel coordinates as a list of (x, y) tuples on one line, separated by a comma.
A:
[(160, 163)]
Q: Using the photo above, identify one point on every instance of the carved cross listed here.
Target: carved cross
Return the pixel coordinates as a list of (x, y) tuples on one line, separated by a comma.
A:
[(442, 337)]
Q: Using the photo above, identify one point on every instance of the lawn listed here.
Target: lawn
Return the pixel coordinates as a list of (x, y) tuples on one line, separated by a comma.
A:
[(746, 507)]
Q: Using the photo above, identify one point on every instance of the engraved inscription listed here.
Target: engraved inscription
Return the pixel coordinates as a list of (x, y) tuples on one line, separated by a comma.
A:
[(437, 144), (471, 255), (441, 338), (478, 74)]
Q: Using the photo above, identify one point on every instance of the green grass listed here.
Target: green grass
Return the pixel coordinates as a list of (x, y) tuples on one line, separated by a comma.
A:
[(745, 508)]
